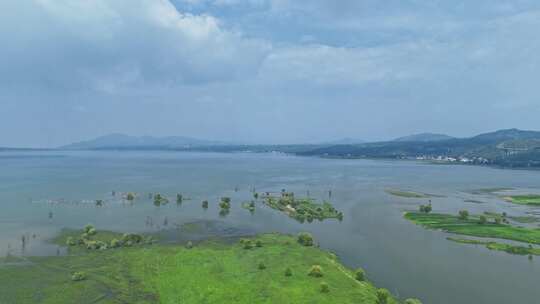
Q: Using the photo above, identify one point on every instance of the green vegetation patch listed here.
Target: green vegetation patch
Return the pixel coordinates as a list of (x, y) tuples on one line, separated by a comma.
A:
[(302, 209), (407, 194), (512, 249), (529, 199), (208, 272), (474, 226)]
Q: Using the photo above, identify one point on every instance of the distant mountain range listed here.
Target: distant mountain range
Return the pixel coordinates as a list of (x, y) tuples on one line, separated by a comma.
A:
[(125, 142), (508, 148)]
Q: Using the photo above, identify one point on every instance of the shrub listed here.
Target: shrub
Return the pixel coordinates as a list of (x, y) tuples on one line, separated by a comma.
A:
[(78, 276), (316, 271), (483, 219), (262, 266), (258, 243), (255, 195), (248, 244), (463, 214), (288, 272), (205, 204), (325, 288), (88, 227), (130, 196), (305, 239), (70, 241), (498, 220), (382, 296), (189, 245), (425, 208), (225, 205), (412, 301), (115, 243), (226, 200), (360, 275)]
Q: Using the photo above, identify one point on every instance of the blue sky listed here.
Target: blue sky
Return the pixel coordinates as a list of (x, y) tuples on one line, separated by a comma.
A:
[(266, 71)]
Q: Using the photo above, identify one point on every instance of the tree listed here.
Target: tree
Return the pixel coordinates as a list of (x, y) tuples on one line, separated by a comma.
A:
[(463, 214), (205, 204), (255, 195), (262, 266), (130, 196), (483, 219), (189, 245), (360, 274), (179, 198), (288, 272), (324, 287), (316, 271), (382, 296), (498, 220), (99, 203), (305, 239)]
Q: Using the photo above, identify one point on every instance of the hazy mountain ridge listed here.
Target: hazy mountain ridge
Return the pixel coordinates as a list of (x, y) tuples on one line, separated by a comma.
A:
[(122, 141)]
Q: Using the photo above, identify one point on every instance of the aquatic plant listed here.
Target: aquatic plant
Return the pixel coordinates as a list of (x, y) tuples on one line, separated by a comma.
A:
[(315, 271), (305, 239)]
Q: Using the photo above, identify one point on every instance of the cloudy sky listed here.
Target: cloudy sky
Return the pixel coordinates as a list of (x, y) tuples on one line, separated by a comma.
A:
[(266, 71)]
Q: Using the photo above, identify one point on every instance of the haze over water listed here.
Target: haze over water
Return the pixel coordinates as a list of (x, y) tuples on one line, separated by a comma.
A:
[(397, 254)]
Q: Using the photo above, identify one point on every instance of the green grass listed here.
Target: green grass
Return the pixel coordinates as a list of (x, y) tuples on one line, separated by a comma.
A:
[(490, 190), (210, 272), (529, 199), (472, 227), (407, 194)]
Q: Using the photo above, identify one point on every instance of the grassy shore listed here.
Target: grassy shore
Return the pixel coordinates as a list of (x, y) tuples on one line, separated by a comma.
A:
[(512, 249), (529, 199), (472, 226), (212, 271)]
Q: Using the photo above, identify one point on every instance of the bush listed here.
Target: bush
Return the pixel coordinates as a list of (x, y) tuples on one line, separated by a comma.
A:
[(425, 208), (325, 288), (115, 243), (205, 204), (258, 243), (360, 275), (189, 245), (179, 198), (412, 301), (70, 241), (305, 239), (382, 296), (463, 214), (78, 276), (288, 272), (226, 200), (315, 271), (130, 196), (88, 227), (225, 205), (255, 195), (262, 266), (498, 220), (483, 219)]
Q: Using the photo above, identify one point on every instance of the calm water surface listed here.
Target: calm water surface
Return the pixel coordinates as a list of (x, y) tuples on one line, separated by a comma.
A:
[(408, 260)]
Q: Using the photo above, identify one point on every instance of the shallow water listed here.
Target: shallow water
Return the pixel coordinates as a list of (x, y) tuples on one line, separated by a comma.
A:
[(396, 254)]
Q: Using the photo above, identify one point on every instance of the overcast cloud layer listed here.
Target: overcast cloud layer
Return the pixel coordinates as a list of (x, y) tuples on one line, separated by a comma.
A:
[(266, 71)]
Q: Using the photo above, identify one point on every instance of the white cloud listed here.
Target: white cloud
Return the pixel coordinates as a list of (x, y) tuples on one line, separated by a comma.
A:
[(104, 43)]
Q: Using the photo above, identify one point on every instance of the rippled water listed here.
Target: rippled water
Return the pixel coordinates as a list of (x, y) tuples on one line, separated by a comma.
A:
[(42, 192)]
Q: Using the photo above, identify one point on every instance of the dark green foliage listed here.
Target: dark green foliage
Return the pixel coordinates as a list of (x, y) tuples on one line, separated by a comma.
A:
[(382, 296), (360, 275), (99, 203), (225, 203), (255, 195), (305, 239), (288, 272), (130, 196), (258, 243), (324, 287), (160, 200), (179, 198), (262, 266), (205, 204), (425, 208), (463, 214)]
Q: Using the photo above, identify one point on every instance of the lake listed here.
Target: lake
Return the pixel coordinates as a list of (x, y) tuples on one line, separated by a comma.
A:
[(43, 192)]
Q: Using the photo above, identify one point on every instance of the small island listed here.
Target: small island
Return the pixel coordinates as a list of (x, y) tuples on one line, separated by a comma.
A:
[(301, 209), (528, 199)]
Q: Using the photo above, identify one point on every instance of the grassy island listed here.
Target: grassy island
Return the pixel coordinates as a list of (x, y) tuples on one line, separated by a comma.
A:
[(529, 199), (407, 194), (270, 268), (478, 226), (302, 209)]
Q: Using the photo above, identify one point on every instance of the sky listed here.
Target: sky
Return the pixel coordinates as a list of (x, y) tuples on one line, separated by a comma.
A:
[(266, 71)]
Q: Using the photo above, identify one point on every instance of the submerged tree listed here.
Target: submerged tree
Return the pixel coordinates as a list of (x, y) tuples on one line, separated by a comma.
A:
[(205, 204)]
